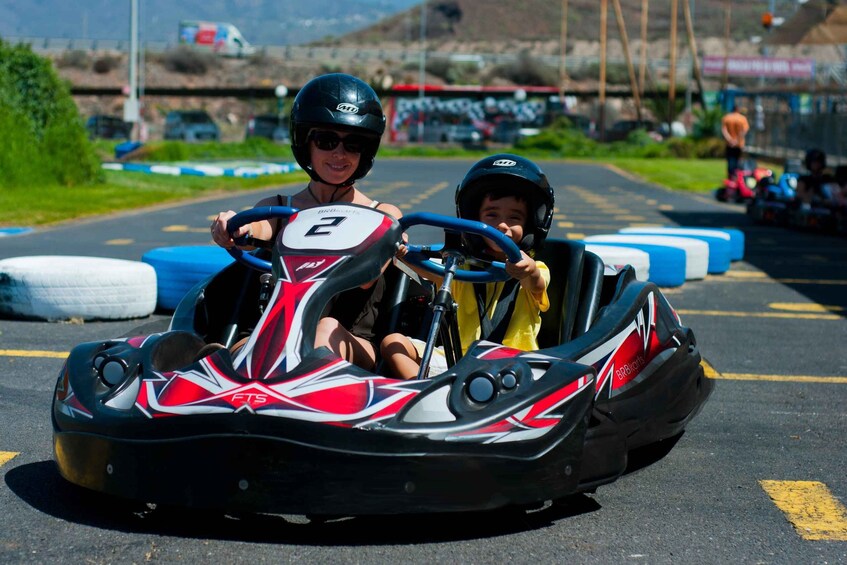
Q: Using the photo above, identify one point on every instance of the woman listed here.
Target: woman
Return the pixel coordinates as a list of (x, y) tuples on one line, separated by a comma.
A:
[(336, 125)]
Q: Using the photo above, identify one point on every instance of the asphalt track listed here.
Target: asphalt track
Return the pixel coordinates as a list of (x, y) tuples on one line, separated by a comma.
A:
[(758, 477)]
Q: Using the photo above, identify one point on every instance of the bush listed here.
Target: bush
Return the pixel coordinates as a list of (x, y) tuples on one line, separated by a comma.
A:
[(76, 59), (527, 71), (43, 137), (106, 64), (188, 61)]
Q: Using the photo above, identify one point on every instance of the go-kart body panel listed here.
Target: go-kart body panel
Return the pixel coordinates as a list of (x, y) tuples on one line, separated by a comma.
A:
[(282, 426)]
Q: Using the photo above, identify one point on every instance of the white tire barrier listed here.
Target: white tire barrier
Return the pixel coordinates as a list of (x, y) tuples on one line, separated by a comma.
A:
[(57, 287), (178, 269), (667, 264), (696, 252), (718, 241), (614, 256)]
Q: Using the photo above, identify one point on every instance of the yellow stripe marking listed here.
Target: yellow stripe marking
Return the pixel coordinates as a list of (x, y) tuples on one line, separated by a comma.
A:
[(574, 235), (120, 242), (804, 307), (745, 274), (712, 373), (184, 229), (780, 315), (810, 507), (666, 207), (630, 218), (565, 224), (33, 353), (6, 456)]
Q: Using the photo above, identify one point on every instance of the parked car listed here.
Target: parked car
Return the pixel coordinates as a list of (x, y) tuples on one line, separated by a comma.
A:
[(465, 134), (107, 127), (510, 131), (269, 126), (191, 125)]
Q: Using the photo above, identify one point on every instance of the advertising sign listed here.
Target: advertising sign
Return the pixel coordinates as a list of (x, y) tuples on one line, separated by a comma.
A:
[(769, 67)]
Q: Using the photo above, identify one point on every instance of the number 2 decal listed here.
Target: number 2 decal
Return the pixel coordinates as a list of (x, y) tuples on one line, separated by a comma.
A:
[(327, 222)]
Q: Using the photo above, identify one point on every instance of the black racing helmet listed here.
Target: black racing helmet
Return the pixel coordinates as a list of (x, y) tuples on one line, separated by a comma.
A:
[(341, 102), (814, 155), (505, 171)]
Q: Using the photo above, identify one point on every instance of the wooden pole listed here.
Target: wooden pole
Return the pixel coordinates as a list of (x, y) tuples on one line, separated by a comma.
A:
[(727, 14), (642, 63), (563, 47), (629, 66), (604, 14), (692, 47), (672, 69)]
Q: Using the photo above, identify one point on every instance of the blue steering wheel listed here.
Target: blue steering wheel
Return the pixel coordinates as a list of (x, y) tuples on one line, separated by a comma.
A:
[(255, 215), (495, 271)]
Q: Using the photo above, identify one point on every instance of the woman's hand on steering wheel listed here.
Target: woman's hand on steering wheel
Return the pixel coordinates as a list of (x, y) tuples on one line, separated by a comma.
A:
[(220, 234)]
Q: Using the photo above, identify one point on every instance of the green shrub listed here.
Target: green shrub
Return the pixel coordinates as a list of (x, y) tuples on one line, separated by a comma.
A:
[(106, 64), (43, 137), (188, 61)]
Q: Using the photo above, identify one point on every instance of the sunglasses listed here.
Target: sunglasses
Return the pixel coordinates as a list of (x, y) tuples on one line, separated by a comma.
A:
[(329, 140)]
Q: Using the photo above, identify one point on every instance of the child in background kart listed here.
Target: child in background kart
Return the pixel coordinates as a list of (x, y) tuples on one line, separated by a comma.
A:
[(814, 187), (511, 194), (336, 146)]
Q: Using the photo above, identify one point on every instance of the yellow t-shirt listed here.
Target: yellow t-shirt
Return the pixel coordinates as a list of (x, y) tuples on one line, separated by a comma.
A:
[(522, 331)]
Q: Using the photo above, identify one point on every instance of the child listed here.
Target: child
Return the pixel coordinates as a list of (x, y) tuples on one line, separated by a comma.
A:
[(512, 195)]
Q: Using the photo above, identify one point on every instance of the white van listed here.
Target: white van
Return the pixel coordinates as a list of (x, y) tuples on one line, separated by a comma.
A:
[(219, 37)]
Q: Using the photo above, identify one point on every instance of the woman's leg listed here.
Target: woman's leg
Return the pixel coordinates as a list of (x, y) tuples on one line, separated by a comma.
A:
[(354, 349)]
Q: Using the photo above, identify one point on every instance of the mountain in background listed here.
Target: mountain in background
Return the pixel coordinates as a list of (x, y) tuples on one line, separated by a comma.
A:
[(291, 22), (262, 22)]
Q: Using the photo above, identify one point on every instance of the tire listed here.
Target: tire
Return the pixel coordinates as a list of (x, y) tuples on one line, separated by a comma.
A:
[(667, 264), (63, 287), (718, 241), (613, 255), (696, 252), (178, 269)]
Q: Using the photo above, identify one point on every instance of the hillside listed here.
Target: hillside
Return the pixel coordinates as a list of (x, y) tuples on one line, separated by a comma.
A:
[(540, 20)]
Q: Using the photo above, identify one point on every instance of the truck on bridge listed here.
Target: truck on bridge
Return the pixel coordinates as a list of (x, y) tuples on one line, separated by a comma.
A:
[(219, 37)]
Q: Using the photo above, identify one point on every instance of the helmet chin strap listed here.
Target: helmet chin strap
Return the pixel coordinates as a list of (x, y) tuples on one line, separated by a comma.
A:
[(315, 176), (527, 242)]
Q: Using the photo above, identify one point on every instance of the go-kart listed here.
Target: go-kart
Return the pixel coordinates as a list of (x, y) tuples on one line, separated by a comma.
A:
[(773, 198), (742, 185), (279, 425)]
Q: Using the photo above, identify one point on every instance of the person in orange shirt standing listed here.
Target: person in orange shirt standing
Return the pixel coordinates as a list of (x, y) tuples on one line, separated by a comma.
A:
[(734, 127)]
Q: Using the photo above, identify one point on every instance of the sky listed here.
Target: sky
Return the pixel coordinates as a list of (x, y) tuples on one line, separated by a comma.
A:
[(262, 22)]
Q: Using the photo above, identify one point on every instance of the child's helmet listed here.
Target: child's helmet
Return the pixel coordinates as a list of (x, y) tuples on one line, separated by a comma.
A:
[(529, 182), (814, 155), (336, 101)]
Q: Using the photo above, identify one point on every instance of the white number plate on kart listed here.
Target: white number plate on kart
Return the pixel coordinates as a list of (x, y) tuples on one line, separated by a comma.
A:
[(333, 228)]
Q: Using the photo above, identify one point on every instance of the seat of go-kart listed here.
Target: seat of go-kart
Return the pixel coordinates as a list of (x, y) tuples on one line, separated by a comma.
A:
[(575, 291)]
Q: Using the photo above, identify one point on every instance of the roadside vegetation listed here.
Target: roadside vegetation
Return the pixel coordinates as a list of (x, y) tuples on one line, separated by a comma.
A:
[(50, 171)]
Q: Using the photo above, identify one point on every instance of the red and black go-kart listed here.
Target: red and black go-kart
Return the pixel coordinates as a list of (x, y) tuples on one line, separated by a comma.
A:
[(281, 426), (741, 187)]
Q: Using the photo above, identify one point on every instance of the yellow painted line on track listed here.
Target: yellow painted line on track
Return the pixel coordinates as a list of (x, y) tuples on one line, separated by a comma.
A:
[(779, 315), (184, 229), (712, 373), (804, 307), (6, 456), (33, 353), (759, 277), (810, 507), (120, 242)]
